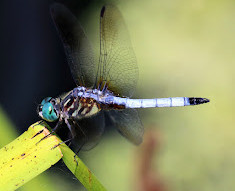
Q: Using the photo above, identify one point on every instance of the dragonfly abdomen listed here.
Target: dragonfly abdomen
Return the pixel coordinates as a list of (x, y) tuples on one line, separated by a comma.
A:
[(160, 102)]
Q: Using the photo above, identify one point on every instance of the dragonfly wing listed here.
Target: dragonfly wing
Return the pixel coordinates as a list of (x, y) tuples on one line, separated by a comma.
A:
[(77, 47), (88, 132), (128, 124), (117, 63)]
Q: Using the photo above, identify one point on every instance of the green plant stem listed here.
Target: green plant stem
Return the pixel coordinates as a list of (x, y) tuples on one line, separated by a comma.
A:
[(80, 170), (27, 156)]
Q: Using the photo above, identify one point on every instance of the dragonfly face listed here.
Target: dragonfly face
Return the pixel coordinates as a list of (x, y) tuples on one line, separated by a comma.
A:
[(47, 110), (103, 89)]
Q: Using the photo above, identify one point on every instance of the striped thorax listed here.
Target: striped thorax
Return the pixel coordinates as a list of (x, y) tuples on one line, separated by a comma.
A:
[(77, 105)]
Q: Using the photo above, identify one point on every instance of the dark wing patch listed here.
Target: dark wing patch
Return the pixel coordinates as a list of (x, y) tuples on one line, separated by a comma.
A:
[(77, 47)]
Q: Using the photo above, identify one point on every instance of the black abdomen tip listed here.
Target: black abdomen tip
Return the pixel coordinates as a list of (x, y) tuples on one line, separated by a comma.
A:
[(198, 100)]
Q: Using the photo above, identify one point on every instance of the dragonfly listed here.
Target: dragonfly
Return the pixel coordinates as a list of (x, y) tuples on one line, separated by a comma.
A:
[(104, 87)]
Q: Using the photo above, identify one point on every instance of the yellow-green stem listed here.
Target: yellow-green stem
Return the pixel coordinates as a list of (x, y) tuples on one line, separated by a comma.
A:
[(80, 170), (27, 156), (30, 154)]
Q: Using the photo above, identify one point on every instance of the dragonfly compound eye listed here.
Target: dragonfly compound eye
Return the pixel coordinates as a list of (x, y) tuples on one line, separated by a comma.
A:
[(47, 110)]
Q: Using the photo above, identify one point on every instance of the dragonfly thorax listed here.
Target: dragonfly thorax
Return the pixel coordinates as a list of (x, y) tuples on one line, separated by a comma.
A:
[(79, 103)]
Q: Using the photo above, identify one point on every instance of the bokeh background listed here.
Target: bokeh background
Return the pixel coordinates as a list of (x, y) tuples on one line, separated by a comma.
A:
[(183, 48)]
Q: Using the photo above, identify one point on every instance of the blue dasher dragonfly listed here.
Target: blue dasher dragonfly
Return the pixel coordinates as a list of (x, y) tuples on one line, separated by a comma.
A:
[(104, 87)]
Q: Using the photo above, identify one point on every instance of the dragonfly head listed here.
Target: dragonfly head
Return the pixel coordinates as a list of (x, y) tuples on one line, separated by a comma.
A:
[(47, 109)]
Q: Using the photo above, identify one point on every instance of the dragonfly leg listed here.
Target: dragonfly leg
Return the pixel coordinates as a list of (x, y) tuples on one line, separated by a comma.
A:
[(53, 130), (62, 142), (71, 129), (86, 138), (76, 125), (57, 126), (76, 154)]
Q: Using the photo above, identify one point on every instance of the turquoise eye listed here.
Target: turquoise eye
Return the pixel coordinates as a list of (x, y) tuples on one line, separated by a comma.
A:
[(47, 99), (47, 110)]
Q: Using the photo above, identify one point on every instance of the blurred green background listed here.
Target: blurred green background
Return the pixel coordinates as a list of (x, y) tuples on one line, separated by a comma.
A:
[(183, 48)]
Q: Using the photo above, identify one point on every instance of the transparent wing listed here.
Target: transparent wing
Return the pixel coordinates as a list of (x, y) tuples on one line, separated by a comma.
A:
[(128, 123), (88, 132), (77, 47), (117, 63)]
